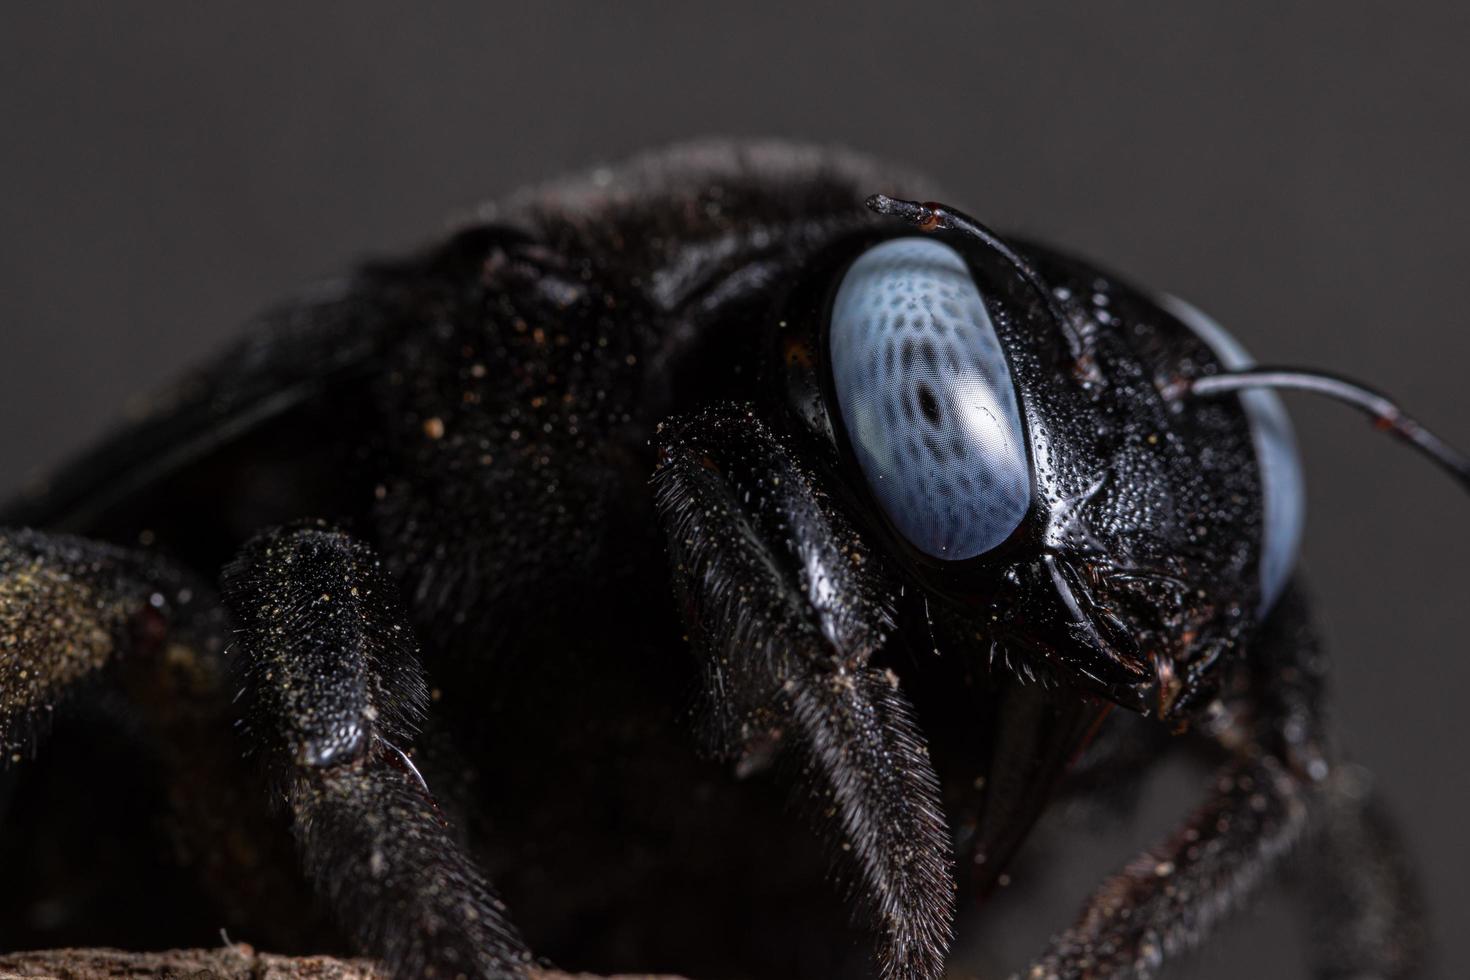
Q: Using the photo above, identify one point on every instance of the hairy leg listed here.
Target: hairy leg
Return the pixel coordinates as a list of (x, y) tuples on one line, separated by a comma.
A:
[(1271, 795), (784, 612), (1168, 898), (1366, 919), (69, 607), (78, 615), (334, 693)]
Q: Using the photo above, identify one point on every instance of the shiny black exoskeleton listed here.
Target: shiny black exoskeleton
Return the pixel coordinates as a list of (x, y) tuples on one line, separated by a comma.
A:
[(930, 515)]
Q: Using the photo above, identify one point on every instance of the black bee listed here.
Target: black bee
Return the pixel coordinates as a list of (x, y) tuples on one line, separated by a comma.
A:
[(943, 514)]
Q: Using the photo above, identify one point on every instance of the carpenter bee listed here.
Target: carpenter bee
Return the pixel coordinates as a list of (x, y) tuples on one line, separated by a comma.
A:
[(489, 607)]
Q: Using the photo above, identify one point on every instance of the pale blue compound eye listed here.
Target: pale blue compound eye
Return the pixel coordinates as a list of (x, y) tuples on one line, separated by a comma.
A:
[(1283, 493), (926, 396)]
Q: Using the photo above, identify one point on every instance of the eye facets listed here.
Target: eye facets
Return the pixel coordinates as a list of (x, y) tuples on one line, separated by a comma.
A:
[(926, 396)]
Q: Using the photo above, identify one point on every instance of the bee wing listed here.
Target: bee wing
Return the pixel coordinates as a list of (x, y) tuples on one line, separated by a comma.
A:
[(295, 363)]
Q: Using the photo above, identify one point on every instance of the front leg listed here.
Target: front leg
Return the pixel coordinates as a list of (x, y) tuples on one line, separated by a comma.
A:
[(785, 610), (334, 693), (68, 608), (1277, 790)]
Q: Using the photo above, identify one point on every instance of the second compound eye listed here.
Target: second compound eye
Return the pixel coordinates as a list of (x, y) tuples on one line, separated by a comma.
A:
[(925, 394)]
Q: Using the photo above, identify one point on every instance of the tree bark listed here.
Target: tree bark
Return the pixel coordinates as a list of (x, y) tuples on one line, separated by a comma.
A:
[(237, 962)]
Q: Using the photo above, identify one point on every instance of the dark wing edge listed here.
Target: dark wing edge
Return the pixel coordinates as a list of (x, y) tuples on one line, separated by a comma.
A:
[(291, 355)]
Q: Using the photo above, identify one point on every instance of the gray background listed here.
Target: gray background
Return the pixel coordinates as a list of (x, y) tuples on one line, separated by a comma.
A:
[(166, 169)]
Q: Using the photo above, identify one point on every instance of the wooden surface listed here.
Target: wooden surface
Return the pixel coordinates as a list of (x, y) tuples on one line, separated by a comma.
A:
[(237, 962)]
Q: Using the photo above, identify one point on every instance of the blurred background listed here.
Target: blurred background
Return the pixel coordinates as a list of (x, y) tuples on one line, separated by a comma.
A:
[(1299, 171)]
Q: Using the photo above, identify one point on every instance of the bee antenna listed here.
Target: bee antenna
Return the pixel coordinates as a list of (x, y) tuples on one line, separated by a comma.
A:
[(932, 216), (1383, 410)]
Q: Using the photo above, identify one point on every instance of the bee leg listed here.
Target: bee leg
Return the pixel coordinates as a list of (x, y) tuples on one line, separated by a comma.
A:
[(1166, 900), (784, 612), (333, 696), (1365, 912), (1276, 792), (70, 607), (80, 617)]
